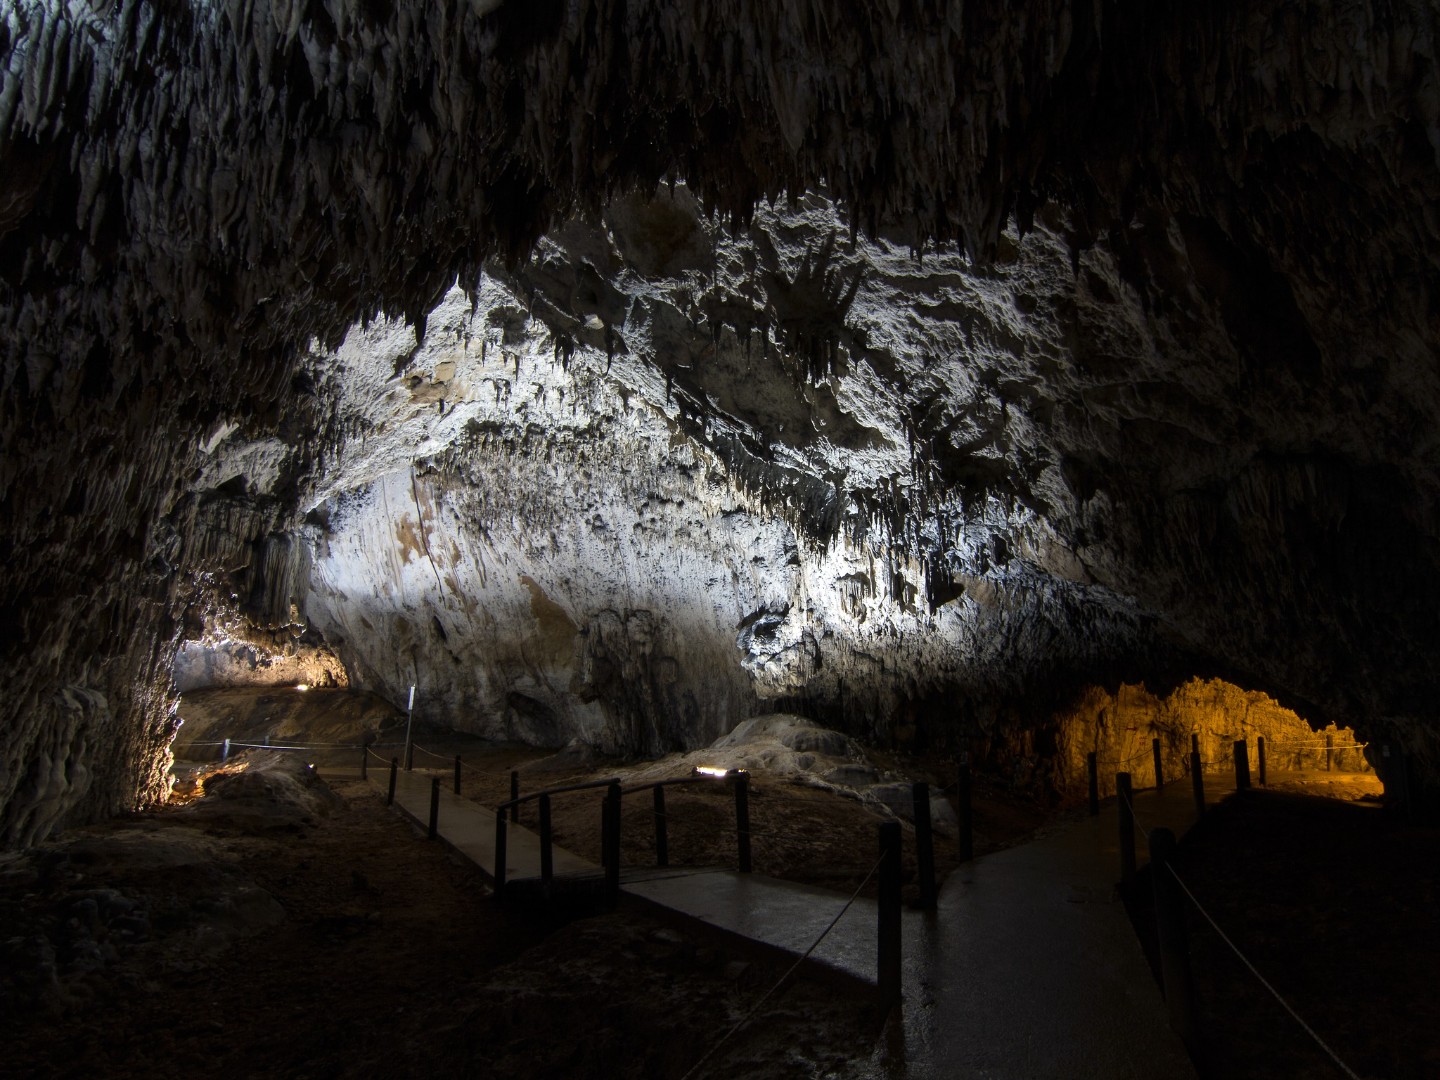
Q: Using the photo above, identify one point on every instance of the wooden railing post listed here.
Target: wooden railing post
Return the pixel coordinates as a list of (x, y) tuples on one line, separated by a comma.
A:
[(964, 813), (390, 794), (547, 853), (1242, 765), (1329, 753), (364, 763), (1260, 757), (434, 831), (457, 774), (1124, 805), (502, 832), (1092, 769), (888, 945), (1397, 776), (742, 819), (514, 794), (1172, 937), (1197, 776), (612, 869), (662, 829), (924, 843), (1155, 753)]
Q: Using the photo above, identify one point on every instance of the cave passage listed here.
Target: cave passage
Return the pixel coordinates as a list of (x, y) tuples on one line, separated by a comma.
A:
[(929, 382)]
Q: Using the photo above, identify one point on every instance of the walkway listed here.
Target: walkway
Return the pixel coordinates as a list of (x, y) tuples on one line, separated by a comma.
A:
[(1027, 970), (469, 828)]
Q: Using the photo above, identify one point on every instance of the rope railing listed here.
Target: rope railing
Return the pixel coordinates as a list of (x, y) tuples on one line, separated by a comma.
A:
[(1135, 817), (754, 833), (750, 1013), (1323, 749), (1137, 756), (447, 758), (291, 746), (1149, 836), (1261, 978), (298, 746)]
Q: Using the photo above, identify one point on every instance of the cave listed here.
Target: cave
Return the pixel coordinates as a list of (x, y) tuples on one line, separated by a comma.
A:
[(972, 383)]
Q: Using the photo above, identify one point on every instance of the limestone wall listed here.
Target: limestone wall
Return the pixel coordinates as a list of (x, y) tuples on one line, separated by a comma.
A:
[(1119, 728)]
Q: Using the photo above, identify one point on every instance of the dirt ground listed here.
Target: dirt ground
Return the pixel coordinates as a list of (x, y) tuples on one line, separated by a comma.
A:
[(1333, 899), (298, 928), (335, 943), (798, 832)]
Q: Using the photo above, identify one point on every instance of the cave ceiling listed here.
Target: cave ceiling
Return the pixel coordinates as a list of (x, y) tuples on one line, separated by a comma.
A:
[(624, 366)]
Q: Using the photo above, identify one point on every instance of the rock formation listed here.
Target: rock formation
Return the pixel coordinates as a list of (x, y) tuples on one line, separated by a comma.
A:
[(616, 370)]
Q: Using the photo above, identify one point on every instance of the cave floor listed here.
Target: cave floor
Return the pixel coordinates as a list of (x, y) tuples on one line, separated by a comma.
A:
[(1332, 897), (1029, 968), (389, 960)]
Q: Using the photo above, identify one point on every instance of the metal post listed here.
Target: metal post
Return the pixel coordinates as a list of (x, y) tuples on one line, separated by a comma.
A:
[(964, 813), (434, 830), (1092, 769), (1398, 773), (547, 853), (612, 870), (364, 763), (502, 832), (1260, 756), (1242, 765), (1197, 776), (390, 795), (742, 819), (888, 951), (1125, 806), (1172, 937), (924, 843), (605, 836), (514, 794), (1329, 753), (1155, 753), (662, 829), (457, 774), (409, 742), (225, 752)]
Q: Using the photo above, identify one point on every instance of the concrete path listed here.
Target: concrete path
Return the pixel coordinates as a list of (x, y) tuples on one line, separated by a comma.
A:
[(1027, 970), (1029, 967), (469, 828), (783, 915)]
